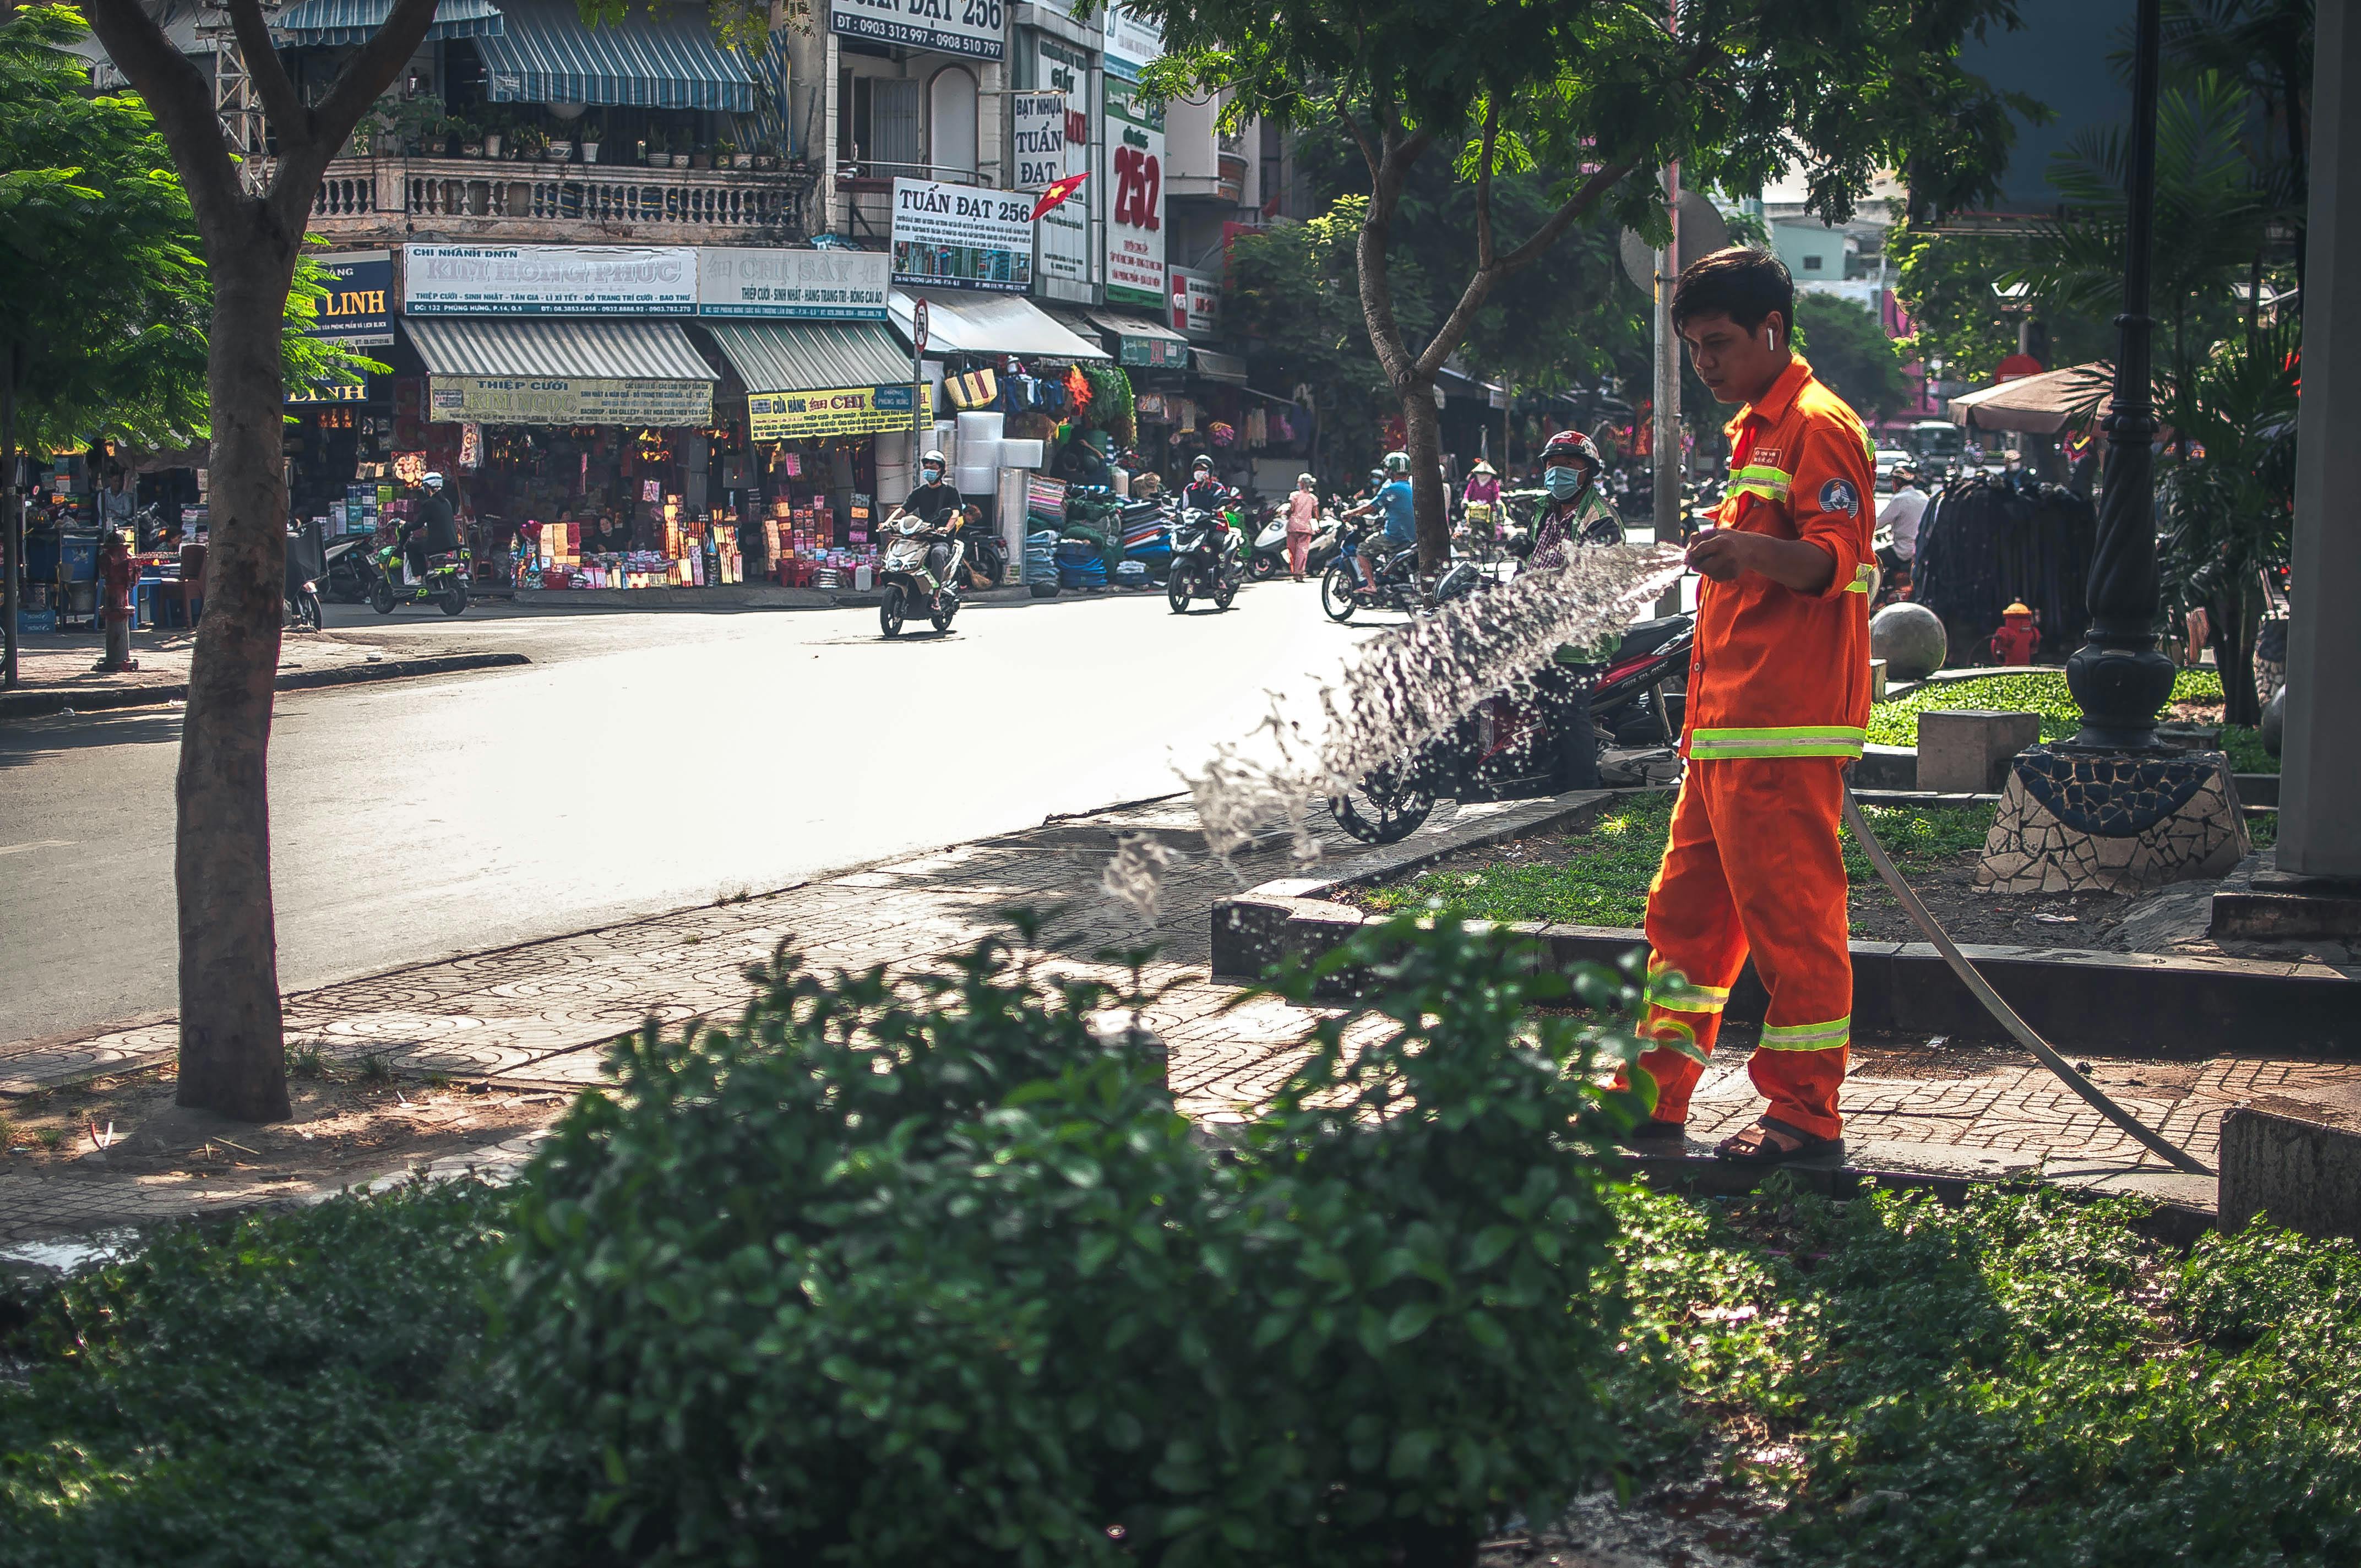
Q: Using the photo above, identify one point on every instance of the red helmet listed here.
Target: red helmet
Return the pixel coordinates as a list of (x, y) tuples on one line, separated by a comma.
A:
[(1571, 444)]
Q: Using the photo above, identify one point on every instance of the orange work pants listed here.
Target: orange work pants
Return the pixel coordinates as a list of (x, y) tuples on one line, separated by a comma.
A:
[(1752, 866)]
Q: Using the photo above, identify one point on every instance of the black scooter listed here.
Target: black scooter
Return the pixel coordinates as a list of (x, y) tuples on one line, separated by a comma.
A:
[(1542, 740), (1208, 561)]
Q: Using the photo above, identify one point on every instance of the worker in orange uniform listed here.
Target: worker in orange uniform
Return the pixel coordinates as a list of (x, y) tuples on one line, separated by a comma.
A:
[(1777, 706)]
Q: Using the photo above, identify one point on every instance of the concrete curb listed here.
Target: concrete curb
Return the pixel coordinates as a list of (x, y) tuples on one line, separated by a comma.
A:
[(2133, 1004), (41, 703)]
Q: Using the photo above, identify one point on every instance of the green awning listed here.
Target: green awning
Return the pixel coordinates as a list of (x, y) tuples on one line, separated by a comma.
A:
[(811, 357), (667, 59), (313, 24)]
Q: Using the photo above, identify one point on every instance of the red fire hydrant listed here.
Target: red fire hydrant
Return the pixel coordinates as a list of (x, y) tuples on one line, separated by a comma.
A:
[(117, 574), (2020, 637)]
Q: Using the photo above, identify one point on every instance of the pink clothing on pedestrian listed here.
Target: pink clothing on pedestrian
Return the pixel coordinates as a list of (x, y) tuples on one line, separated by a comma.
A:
[(1481, 487), (1302, 512)]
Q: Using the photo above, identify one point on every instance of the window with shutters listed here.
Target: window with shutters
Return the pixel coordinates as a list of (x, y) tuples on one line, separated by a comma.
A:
[(894, 121)]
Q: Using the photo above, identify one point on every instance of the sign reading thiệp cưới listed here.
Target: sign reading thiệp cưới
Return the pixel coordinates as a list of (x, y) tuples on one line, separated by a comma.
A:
[(568, 399), (848, 285), (549, 280), (960, 236)]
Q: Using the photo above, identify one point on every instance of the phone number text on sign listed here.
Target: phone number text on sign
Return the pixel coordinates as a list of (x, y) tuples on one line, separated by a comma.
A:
[(976, 28)]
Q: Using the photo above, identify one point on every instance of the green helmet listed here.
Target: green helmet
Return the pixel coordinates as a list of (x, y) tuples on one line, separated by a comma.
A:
[(1397, 462)]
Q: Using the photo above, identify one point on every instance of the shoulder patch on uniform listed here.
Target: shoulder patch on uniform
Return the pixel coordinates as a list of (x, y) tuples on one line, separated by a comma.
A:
[(1838, 495)]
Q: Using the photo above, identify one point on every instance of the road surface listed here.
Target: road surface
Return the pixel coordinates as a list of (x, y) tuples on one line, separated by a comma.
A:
[(643, 763)]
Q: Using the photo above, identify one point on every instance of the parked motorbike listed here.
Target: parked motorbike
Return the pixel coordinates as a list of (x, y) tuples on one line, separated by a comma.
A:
[(987, 554), (1208, 562), (1269, 558), (1541, 740), (445, 582), (917, 560)]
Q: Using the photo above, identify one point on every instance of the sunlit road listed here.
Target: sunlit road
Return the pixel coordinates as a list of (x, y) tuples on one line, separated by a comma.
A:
[(643, 763)]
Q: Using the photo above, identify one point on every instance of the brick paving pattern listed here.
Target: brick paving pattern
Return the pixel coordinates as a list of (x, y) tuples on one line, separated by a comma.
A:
[(536, 1014)]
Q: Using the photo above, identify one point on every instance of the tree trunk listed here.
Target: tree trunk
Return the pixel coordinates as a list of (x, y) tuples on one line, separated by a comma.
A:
[(12, 519), (2233, 621), (1424, 431), (233, 1057)]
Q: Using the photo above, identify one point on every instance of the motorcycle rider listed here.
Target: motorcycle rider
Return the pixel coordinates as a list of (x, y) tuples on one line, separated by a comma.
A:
[(936, 503), (1391, 500), (1578, 510), (433, 529), (1204, 491)]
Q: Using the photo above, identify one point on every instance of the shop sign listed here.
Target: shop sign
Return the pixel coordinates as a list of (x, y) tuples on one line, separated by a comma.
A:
[(1196, 303), (356, 311), (1131, 198), (972, 27), (334, 392), (960, 236), (1131, 42), (845, 285), (1061, 252), (846, 411), (1155, 353), (549, 280), (568, 399)]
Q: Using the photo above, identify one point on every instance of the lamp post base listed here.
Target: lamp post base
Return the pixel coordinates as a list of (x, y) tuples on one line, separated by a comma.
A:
[(2119, 690), (2077, 820)]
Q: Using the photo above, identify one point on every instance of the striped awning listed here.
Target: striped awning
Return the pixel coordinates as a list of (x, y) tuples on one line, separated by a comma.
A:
[(314, 24), (609, 350), (959, 322), (811, 357), (667, 59)]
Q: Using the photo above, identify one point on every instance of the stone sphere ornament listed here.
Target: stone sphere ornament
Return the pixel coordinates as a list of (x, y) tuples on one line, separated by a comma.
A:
[(2274, 725), (1909, 638)]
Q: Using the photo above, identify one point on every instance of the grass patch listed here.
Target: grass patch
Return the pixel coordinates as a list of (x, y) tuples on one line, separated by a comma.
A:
[(1895, 722), (1606, 881), (2023, 1381)]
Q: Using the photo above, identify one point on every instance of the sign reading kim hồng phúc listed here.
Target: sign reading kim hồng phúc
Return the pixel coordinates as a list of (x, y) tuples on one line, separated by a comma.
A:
[(568, 399), (844, 410)]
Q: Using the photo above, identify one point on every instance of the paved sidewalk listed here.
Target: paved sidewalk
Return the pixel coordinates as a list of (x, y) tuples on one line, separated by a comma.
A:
[(536, 1014)]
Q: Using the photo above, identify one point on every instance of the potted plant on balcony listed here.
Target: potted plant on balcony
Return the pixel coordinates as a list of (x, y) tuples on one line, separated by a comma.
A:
[(591, 133), (471, 138), (766, 161), (533, 142), (496, 135), (700, 158), (561, 149)]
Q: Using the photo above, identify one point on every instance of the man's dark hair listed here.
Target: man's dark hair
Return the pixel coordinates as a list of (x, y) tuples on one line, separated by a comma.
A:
[(1744, 284)]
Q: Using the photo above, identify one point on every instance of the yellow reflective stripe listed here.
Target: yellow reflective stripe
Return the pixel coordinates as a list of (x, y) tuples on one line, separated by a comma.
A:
[(1805, 741), (1807, 1037), (1708, 998), (1859, 584)]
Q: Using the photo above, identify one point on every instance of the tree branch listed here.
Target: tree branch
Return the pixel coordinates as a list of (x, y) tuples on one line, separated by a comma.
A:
[(177, 95), (1484, 186), (1369, 149), (282, 104), (1377, 283), (1454, 330), (365, 76)]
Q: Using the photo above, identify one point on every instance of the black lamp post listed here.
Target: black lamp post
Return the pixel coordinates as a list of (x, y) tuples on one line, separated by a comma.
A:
[(2117, 676)]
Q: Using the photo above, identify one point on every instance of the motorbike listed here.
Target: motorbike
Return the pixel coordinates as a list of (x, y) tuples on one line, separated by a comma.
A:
[(918, 559), (1269, 558), (987, 554), (299, 591), (1208, 561), (1540, 740), (1398, 587), (445, 582)]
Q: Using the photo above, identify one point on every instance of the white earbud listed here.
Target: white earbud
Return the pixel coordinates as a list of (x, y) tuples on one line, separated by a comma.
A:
[(1766, 338)]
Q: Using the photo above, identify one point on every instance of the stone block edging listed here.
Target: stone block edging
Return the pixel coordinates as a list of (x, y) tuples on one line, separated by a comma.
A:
[(40, 702), (2135, 1005)]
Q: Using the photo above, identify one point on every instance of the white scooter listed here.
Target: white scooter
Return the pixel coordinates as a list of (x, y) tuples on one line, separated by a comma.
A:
[(1269, 559), (921, 574)]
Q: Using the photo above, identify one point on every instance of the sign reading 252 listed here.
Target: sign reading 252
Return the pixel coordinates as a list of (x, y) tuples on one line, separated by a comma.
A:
[(1138, 185)]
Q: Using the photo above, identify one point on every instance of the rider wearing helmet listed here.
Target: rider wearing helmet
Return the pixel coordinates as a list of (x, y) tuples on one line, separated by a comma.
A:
[(1203, 492), (1579, 511), (934, 498), (433, 530)]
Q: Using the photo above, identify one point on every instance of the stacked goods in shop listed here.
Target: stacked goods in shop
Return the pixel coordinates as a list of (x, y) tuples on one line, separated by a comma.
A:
[(1041, 556)]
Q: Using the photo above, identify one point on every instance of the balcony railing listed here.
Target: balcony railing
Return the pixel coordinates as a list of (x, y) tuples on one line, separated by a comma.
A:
[(494, 199)]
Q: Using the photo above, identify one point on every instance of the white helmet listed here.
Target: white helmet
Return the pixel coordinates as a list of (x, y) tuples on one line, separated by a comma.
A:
[(433, 481)]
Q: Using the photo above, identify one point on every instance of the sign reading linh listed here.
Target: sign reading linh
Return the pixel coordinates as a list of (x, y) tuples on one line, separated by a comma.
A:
[(849, 285), (957, 237), (848, 411), (976, 28), (548, 279), (356, 310), (568, 399)]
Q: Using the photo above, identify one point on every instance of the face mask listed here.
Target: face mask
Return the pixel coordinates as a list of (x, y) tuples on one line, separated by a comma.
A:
[(1564, 483), (934, 475)]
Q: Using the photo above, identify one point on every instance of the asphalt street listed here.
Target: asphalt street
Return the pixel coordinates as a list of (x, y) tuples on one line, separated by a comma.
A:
[(641, 762)]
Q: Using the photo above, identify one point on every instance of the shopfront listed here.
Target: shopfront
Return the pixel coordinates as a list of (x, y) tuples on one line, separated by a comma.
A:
[(580, 451), (812, 398), (340, 434)]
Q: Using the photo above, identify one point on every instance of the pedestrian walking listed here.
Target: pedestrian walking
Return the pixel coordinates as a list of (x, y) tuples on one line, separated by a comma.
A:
[(1302, 522)]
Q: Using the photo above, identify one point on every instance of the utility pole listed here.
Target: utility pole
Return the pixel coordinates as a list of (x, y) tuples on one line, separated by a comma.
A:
[(1666, 441)]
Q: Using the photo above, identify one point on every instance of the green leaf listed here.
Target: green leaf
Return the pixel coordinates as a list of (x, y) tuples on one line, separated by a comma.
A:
[(1409, 1321)]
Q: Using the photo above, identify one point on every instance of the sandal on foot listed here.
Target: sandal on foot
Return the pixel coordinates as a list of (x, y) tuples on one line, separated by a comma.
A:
[(1767, 1149), (1650, 1135)]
